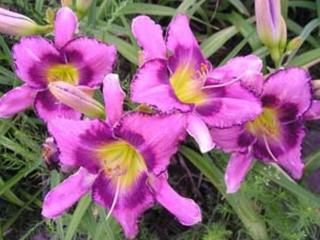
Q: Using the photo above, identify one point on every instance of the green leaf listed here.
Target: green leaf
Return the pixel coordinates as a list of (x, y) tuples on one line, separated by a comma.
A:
[(21, 174), (126, 49), (307, 59), (81, 209), (246, 28), (240, 7), (217, 40), (305, 33), (147, 8), (240, 204), (185, 5), (303, 4)]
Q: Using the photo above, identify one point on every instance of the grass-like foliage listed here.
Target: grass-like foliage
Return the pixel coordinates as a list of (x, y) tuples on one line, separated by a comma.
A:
[(268, 200)]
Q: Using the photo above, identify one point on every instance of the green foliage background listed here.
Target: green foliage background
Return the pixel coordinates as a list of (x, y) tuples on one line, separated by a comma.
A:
[(268, 200)]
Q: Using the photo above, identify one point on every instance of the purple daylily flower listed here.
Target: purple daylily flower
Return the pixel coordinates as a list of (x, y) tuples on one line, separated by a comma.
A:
[(185, 80), (122, 162), (276, 134), (79, 61)]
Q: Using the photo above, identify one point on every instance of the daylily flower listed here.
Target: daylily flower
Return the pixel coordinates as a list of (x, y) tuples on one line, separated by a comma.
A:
[(174, 75), (19, 25), (122, 162), (80, 61), (276, 134)]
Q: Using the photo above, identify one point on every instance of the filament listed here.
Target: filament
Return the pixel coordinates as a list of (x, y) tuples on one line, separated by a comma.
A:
[(222, 85), (268, 149), (115, 199)]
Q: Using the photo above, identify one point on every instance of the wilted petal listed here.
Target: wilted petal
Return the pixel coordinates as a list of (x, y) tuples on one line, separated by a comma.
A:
[(93, 59), (184, 209), (314, 111), (238, 166), (48, 107), (65, 26), (200, 132), (16, 100), (149, 37), (113, 98), (67, 193)]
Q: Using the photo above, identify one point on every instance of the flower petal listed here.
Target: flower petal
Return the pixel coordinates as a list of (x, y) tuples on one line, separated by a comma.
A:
[(314, 111), (65, 25), (250, 77), (200, 132), (93, 59), (156, 137), (113, 98), (184, 209), (48, 107), (77, 145), (151, 86), (67, 193), (149, 37), (238, 166), (232, 139), (32, 56), (227, 112), (183, 45), (130, 205), (16, 100), (290, 86)]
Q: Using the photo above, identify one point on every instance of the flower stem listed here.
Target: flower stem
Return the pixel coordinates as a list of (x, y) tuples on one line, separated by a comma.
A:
[(243, 206)]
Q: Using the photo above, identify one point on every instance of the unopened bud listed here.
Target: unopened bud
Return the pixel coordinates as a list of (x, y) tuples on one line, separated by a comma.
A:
[(77, 99), (19, 25), (294, 44), (66, 3), (270, 24), (82, 6)]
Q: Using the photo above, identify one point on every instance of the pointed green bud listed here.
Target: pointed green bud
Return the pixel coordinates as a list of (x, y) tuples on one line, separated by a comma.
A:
[(82, 6)]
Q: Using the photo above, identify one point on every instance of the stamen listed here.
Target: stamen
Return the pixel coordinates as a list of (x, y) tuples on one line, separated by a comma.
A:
[(115, 199), (223, 84), (268, 149)]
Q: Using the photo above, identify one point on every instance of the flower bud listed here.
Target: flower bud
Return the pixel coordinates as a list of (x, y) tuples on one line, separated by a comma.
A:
[(316, 88), (66, 3), (82, 6), (294, 44), (76, 98), (271, 26), (19, 25)]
